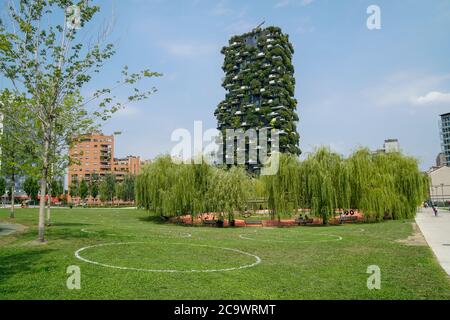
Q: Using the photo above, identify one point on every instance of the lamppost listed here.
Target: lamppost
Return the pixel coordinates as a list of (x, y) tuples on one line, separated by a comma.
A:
[(442, 189), (436, 196)]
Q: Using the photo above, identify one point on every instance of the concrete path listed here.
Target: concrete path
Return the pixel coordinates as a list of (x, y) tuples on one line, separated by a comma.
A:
[(437, 233), (7, 229)]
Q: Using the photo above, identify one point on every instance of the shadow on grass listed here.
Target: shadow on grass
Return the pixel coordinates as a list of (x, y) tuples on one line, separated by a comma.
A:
[(20, 262), (165, 222), (154, 219), (70, 224), (66, 233)]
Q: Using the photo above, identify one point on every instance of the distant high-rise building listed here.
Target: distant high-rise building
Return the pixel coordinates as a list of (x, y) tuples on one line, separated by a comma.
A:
[(391, 145), (440, 160), (444, 126), (260, 84)]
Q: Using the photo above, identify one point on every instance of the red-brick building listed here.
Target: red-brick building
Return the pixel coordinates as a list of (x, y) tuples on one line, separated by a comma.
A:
[(94, 155)]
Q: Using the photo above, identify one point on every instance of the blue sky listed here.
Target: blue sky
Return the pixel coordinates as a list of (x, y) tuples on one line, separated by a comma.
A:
[(355, 87)]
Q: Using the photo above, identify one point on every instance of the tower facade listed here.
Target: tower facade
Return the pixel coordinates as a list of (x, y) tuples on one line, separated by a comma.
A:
[(444, 126), (260, 85)]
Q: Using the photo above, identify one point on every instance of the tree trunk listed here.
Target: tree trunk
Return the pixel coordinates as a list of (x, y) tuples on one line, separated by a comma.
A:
[(43, 193), (42, 209), (11, 212), (49, 204)]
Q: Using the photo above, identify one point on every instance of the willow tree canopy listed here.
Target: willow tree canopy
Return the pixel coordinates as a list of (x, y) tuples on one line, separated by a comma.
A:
[(377, 184)]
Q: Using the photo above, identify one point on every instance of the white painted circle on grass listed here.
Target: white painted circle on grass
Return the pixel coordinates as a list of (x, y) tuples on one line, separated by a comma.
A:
[(257, 259)]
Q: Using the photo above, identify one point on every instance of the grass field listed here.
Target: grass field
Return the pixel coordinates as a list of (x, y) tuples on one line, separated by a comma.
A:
[(244, 263)]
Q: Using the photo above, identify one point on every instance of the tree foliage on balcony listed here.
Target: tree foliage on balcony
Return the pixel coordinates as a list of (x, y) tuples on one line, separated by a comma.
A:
[(259, 76)]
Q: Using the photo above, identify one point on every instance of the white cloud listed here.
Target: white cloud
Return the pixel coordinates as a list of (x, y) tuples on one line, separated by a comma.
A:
[(407, 88), (282, 3), (221, 9), (305, 26), (285, 3), (127, 111), (433, 97)]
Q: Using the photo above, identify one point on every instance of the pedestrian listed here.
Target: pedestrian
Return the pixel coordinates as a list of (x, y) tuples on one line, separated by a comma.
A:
[(435, 211)]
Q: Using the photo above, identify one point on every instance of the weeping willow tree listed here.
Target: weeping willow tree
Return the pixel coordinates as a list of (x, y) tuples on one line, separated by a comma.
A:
[(360, 169), (152, 184), (408, 183), (169, 189), (283, 189), (325, 183), (386, 184), (228, 191), (379, 185)]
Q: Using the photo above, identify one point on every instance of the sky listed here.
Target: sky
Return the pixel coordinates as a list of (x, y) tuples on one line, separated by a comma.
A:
[(355, 86)]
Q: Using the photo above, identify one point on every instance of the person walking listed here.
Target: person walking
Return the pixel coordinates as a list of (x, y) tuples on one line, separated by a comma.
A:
[(435, 211)]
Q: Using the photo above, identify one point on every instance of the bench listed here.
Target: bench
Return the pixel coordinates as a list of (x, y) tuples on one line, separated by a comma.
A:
[(304, 222), (348, 219), (253, 223), (210, 222)]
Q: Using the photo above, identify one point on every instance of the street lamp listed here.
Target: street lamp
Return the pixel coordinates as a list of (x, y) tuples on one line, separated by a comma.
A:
[(436, 195)]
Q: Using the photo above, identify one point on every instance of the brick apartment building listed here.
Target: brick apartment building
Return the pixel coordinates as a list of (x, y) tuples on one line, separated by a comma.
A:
[(94, 155)]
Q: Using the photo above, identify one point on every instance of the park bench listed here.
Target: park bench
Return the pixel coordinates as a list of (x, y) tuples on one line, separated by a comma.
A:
[(348, 219), (253, 223), (304, 222), (209, 222)]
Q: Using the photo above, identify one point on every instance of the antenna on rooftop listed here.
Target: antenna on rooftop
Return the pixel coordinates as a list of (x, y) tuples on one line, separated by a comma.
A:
[(260, 25)]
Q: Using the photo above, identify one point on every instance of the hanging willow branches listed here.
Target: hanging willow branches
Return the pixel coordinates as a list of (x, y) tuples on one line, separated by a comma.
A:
[(379, 185), (170, 189), (283, 189)]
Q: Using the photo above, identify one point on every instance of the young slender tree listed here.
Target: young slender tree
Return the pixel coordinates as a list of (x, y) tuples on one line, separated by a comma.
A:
[(119, 192), (93, 186), (129, 187), (57, 187), (2, 188), (108, 188), (84, 189), (31, 187), (74, 189), (14, 143), (46, 62)]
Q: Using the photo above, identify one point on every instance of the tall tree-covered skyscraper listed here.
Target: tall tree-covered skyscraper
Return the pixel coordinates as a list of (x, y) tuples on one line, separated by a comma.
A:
[(260, 84)]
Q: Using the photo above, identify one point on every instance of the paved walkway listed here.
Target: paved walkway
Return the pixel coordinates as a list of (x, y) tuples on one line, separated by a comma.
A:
[(437, 233), (7, 229)]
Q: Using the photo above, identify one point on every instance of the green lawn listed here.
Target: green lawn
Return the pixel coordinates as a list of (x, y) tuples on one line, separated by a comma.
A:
[(296, 263)]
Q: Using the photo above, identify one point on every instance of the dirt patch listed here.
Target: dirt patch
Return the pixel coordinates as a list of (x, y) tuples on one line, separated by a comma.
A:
[(416, 239), (35, 243), (9, 232), (7, 228)]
